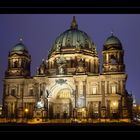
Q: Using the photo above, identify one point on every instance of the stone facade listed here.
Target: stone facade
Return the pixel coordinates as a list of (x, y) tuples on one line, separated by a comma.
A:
[(69, 83)]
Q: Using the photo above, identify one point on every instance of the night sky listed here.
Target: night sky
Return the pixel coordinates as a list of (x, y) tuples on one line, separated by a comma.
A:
[(39, 31)]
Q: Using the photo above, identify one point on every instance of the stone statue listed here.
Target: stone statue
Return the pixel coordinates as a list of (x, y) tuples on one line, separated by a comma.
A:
[(40, 103), (61, 63), (61, 69), (80, 66)]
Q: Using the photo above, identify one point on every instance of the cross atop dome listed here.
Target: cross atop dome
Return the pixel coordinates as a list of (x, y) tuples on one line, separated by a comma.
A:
[(112, 33), (21, 40), (74, 24)]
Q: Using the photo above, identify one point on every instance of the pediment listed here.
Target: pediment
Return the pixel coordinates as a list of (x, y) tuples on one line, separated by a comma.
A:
[(11, 98)]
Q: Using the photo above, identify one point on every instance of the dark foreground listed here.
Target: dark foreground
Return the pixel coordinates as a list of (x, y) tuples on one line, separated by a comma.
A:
[(70, 127)]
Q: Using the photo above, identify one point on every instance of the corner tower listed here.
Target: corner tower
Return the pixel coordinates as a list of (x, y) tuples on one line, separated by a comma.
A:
[(113, 54), (18, 61)]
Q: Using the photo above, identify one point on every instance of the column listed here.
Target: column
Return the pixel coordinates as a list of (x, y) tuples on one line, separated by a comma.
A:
[(107, 87), (108, 108), (119, 87), (18, 90), (99, 108), (99, 88), (103, 110), (84, 92), (123, 84), (13, 108), (25, 89), (103, 92), (9, 109), (107, 58), (76, 93)]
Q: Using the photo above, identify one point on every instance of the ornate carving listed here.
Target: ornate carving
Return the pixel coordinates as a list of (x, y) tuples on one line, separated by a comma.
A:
[(61, 60), (61, 81), (113, 68), (80, 67), (61, 63)]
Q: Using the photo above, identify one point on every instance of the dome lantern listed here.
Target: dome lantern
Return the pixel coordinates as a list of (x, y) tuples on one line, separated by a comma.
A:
[(74, 24), (20, 40)]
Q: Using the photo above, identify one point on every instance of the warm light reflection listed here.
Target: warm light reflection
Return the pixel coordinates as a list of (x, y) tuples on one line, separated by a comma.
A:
[(26, 110), (83, 109), (114, 104), (65, 93)]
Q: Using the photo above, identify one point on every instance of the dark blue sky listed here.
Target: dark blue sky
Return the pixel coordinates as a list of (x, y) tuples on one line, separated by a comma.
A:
[(40, 30)]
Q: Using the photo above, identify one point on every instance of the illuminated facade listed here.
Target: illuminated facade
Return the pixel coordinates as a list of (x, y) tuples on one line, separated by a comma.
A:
[(69, 83)]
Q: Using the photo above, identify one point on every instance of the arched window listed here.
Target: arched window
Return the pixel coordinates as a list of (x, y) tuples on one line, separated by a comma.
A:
[(15, 63), (31, 93), (113, 89), (113, 59), (94, 90), (13, 92)]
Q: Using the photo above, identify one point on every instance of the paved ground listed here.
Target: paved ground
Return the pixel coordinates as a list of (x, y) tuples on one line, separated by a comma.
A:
[(70, 127)]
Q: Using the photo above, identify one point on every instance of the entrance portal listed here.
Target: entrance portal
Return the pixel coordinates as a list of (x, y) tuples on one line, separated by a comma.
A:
[(62, 106)]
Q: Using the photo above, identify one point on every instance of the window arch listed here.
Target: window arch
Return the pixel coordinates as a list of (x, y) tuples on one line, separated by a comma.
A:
[(94, 89), (13, 91), (114, 88), (113, 59), (31, 92)]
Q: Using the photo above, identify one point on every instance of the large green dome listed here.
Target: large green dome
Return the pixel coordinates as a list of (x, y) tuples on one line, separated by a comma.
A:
[(73, 38)]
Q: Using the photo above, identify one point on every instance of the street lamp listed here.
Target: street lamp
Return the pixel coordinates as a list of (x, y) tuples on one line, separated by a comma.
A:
[(26, 113)]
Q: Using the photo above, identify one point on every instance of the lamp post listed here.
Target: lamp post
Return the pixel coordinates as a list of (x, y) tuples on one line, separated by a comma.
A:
[(26, 113), (47, 103)]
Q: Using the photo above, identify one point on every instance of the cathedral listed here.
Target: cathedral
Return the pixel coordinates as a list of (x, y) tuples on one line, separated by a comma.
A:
[(70, 82)]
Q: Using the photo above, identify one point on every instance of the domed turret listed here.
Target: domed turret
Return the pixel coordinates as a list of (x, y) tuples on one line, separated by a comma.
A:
[(18, 61), (19, 48), (112, 42)]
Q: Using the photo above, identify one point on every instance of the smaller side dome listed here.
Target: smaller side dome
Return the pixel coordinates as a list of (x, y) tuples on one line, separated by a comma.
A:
[(112, 42), (20, 47)]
